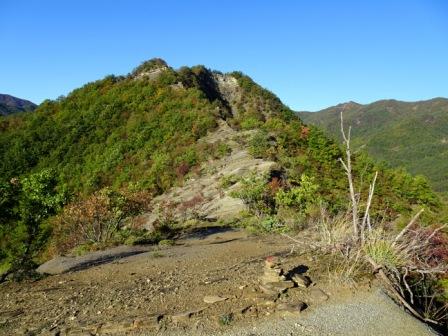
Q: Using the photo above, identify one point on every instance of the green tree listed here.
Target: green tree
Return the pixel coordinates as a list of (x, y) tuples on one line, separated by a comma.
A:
[(27, 203)]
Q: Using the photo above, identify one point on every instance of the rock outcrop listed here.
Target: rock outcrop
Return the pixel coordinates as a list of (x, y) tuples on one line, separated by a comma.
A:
[(204, 196)]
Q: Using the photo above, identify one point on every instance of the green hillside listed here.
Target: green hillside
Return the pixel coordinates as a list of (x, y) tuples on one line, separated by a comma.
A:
[(111, 139), (410, 135)]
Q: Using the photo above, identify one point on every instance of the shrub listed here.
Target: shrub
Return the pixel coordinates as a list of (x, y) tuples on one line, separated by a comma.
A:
[(250, 123), (254, 192), (271, 224), (223, 149), (226, 319), (96, 219), (190, 208), (259, 145), (228, 180), (301, 197), (182, 170)]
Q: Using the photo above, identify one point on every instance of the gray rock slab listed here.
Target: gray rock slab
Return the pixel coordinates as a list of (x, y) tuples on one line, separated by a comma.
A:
[(63, 264)]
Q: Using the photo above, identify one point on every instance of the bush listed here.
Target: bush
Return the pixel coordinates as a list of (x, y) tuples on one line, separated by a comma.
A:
[(250, 123), (96, 219), (254, 192), (259, 146), (271, 224), (301, 197)]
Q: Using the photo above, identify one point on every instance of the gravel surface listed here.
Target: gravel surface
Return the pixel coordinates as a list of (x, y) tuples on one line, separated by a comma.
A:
[(366, 313), (363, 314), (165, 292)]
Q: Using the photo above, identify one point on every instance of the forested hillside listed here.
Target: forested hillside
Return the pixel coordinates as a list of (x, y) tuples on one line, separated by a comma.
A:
[(410, 135), (111, 141)]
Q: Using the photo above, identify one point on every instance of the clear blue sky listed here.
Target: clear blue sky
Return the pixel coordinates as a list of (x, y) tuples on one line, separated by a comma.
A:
[(312, 54)]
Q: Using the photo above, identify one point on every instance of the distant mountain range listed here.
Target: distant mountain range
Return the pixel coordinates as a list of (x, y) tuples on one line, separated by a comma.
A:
[(413, 135), (10, 105)]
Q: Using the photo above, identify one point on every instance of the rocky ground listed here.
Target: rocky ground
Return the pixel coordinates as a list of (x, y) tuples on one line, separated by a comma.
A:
[(207, 284)]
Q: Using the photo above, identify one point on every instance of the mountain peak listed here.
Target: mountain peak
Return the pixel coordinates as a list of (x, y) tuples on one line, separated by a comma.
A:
[(150, 67), (349, 105)]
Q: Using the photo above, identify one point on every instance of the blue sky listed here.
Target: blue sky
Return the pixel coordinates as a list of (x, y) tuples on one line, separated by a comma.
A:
[(312, 54)]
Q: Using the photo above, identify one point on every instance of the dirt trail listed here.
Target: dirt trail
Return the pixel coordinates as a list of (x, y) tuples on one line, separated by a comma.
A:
[(162, 292)]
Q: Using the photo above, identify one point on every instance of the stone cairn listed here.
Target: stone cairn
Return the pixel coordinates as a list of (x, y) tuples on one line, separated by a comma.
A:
[(274, 280), (272, 272)]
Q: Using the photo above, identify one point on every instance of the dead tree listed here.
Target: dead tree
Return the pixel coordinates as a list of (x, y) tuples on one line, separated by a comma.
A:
[(348, 171)]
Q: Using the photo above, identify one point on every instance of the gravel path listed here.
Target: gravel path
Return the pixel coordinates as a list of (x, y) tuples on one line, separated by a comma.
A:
[(365, 314), (164, 290)]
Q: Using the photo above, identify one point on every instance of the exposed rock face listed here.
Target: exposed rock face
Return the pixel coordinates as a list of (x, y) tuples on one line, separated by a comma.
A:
[(229, 89), (152, 74), (204, 196)]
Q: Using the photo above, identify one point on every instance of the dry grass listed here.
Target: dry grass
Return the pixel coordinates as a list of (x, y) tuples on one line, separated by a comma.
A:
[(410, 262)]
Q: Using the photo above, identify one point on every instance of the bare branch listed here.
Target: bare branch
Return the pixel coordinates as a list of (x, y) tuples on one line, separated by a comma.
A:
[(407, 227), (397, 294), (369, 202), (348, 169)]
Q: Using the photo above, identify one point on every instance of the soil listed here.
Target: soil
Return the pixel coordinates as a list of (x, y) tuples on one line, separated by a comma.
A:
[(162, 292)]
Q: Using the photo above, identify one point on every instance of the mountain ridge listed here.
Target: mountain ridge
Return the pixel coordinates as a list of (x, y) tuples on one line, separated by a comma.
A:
[(10, 105), (412, 135), (163, 148)]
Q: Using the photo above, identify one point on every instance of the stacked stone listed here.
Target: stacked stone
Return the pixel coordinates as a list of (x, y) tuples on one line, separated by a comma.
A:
[(272, 271)]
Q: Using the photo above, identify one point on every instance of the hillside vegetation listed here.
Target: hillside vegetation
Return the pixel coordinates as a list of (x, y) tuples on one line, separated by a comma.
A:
[(108, 147), (409, 135)]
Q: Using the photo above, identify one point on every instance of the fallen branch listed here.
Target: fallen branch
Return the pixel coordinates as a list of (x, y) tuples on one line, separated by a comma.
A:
[(380, 271)]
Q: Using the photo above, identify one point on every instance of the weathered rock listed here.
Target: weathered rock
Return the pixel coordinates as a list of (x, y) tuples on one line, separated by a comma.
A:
[(301, 280), (282, 286), (248, 310), (113, 328), (318, 295), (272, 275), (294, 308), (214, 299), (271, 262), (185, 316), (149, 322), (259, 297), (211, 200), (268, 289), (60, 265), (181, 317), (276, 287), (272, 272)]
